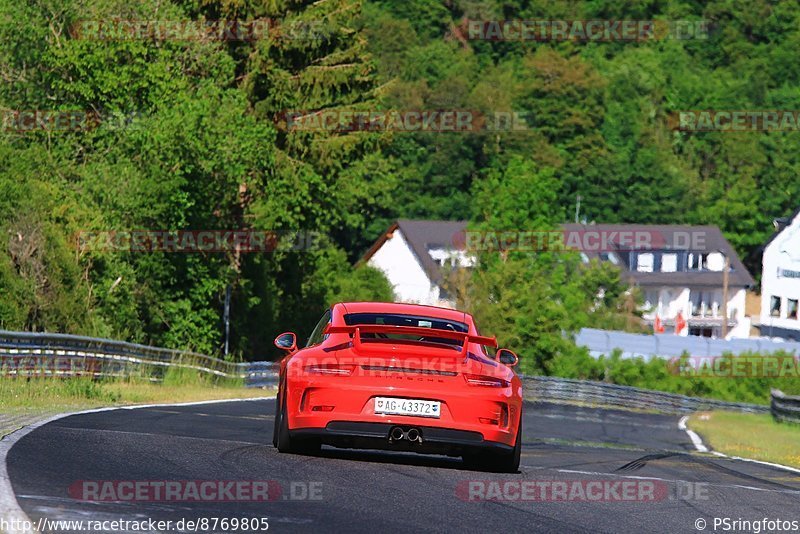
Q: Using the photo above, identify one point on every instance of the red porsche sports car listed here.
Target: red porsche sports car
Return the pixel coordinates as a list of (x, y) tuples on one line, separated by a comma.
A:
[(400, 377)]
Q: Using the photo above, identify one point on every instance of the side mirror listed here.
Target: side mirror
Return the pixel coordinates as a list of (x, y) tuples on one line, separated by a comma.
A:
[(286, 341), (507, 357)]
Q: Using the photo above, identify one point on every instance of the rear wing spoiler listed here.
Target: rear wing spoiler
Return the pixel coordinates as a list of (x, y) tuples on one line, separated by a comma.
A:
[(357, 330)]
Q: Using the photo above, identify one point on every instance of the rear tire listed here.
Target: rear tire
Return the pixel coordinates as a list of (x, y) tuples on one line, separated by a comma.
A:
[(286, 443), (502, 462), (510, 463), (277, 422)]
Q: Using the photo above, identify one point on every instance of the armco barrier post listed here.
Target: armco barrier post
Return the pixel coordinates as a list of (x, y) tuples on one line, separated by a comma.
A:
[(785, 408)]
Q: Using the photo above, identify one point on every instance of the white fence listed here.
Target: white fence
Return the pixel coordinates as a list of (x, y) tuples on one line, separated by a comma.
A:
[(604, 342)]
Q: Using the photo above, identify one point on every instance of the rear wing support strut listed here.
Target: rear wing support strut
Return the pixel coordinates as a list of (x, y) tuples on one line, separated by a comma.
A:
[(357, 330)]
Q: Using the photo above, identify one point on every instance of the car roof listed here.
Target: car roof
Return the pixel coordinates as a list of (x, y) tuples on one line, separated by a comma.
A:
[(405, 309)]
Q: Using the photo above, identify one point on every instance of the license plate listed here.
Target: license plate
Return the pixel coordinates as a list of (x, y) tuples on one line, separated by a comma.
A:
[(419, 408)]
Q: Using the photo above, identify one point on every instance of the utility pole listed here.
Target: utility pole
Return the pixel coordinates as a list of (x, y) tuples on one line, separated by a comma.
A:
[(227, 316), (578, 210), (725, 296)]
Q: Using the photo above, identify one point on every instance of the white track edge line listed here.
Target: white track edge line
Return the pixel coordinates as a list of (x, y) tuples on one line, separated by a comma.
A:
[(700, 446), (10, 509), (696, 440)]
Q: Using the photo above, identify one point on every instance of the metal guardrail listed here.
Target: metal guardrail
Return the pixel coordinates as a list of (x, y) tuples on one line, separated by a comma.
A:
[(261, 374), (560, 390), (785, 408), (45, 354)]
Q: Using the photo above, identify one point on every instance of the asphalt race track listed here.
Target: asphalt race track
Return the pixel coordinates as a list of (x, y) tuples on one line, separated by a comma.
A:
[(363, 491)]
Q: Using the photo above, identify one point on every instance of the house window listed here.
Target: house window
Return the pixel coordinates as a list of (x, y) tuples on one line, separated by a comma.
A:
[(702, 332), (775, 306), (609, 256), (792, 309), (645, 263), (669, 263), (704, 303), (697, 262), (716, 262)]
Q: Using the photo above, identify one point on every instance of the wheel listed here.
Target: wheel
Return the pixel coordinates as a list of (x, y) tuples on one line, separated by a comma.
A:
[(277, 422), (504, 462), (285, 443), (509, 463)]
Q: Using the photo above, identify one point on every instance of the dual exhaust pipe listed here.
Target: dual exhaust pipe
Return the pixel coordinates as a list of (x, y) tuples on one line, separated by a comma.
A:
[(398, 434)]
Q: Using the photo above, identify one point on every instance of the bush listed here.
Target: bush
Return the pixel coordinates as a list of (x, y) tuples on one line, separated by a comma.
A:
[(664, 375)]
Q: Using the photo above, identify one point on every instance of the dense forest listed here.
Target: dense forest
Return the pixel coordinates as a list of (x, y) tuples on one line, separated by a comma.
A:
[(189, 140)]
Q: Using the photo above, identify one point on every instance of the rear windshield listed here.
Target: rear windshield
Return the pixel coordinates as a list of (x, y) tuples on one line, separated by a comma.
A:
[(407, 320)]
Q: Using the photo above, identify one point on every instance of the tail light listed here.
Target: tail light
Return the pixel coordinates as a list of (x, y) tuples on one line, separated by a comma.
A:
[(330, 369), (498, 416), (486, 381), (504, 415)]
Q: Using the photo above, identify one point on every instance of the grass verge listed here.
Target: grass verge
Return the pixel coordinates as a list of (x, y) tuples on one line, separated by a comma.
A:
[(24, 400), (755, 436)]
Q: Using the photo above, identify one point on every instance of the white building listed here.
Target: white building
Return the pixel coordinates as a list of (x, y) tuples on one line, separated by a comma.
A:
[(780, 281), (681, 276), (414, 256), (680, 272)]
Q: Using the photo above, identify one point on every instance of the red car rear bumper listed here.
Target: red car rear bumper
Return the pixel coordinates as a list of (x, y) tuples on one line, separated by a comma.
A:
[(470, 415)]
